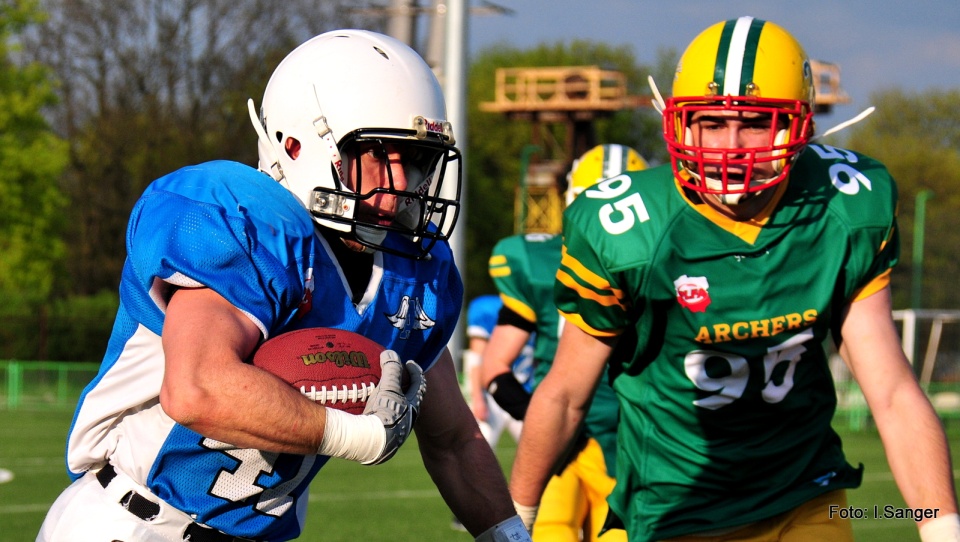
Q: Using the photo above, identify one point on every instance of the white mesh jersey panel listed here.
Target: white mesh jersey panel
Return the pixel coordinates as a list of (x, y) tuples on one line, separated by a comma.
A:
[(121, 413)]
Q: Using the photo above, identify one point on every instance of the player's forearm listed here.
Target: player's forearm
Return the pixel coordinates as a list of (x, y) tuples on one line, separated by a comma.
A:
[(209, 389), (550, 426), (556, 411), (474, 377), (457, 456), (252, 409), (506, 343), (917, 451), (470, 480), (494, 365), (912, 435)]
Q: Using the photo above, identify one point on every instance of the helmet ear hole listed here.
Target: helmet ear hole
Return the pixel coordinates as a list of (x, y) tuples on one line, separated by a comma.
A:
[(292, 147)]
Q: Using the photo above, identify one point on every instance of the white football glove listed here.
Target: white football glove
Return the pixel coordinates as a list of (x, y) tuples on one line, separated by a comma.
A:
[(375, 436), (397, 411)]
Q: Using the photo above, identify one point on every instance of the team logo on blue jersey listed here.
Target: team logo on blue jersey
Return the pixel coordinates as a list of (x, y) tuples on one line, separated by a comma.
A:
[(307, 302), (692, 293), (410, 316)]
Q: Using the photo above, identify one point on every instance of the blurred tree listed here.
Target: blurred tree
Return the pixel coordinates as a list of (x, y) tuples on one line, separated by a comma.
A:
[(144, 87), (493, 162), (31, 160), (917, 136), (149, 86)]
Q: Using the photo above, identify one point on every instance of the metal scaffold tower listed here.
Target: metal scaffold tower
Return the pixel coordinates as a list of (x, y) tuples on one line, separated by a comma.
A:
[(573, 97)]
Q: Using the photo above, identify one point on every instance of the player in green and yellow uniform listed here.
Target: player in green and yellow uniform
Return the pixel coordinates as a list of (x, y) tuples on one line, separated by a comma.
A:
[(709, 285), (523, 268)]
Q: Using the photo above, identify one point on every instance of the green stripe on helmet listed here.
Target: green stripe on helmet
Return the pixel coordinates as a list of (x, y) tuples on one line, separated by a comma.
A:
[(720, 68), (750, 54)]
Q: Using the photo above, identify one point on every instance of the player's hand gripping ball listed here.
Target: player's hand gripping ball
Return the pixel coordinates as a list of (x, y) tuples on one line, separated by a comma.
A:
[(336, 368)]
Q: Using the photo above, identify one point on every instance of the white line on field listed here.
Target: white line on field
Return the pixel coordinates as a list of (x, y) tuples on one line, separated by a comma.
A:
[(314, 497), (426, 494), (376, 495)]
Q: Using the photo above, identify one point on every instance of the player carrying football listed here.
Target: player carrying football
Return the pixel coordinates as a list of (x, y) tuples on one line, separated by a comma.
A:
[(710, 284), (344, 226)]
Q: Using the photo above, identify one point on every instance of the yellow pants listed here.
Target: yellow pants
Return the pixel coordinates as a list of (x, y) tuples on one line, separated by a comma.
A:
[(809, 522), (574, 503)]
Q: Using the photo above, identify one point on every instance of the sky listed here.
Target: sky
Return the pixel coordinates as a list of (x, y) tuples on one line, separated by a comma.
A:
[(913, 45)]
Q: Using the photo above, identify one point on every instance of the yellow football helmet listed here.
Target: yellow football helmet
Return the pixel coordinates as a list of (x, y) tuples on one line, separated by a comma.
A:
[(601, 162), (744, 65)]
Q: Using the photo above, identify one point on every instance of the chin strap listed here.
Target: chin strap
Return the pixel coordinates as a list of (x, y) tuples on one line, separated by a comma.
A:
[(732, 199), (657, 100), (846, 124), (273, 169)]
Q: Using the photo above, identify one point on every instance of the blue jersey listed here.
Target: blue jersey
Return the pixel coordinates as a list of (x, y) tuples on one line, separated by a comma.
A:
[(229, 227), (482, 314)]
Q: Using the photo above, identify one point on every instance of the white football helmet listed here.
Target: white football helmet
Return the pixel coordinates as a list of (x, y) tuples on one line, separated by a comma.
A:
[(350, 87)]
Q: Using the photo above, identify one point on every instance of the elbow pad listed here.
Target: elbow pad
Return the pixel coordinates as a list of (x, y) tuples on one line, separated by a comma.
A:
[(510, 395)]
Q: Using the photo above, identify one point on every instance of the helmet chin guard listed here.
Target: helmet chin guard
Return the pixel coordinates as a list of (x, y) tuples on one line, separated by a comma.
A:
[(421, 214), (732, 171), (350, 88)]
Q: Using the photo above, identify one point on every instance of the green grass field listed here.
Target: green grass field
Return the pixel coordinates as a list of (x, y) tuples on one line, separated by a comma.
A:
[(393, 502)]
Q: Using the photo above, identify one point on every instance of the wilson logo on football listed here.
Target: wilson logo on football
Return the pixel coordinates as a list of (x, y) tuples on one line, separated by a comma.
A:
[(340, 358), (692, 293)]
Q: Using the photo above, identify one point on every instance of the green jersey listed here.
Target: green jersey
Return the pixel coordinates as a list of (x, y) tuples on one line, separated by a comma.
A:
[(725, 391), (524, 268)]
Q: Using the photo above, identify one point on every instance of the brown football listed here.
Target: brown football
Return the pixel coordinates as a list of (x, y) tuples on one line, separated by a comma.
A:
[(334, 367)]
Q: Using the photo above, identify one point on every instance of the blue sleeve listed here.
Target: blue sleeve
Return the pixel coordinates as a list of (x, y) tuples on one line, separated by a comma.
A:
[(227, 227), (482, 316)]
